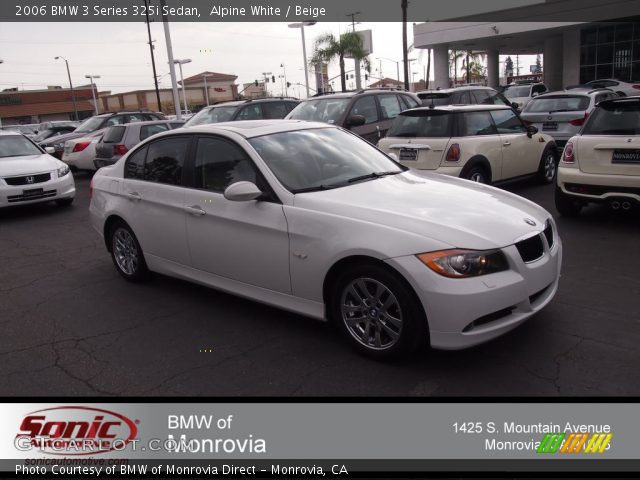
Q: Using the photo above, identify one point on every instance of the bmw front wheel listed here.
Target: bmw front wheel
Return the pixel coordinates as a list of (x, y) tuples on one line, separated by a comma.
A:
[(126, 253)]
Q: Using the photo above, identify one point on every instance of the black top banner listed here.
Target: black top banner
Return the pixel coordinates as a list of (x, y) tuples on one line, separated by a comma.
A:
[(315, 10)]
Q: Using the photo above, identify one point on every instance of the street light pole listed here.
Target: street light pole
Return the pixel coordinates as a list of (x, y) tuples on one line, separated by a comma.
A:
[(153, 59), (184, 91), (73, 95), (301, 26), (206, 90), (284, 72), (172, 70), (93, 91)]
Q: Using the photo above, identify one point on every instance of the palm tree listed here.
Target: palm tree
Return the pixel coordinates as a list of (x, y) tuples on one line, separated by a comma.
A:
[(328, 47), (454, 58)]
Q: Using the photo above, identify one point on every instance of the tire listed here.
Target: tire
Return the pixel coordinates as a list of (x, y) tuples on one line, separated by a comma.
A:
[(126, 253), (567, 206), (390, 321), (476, 174), (548, 168), (64, 202)]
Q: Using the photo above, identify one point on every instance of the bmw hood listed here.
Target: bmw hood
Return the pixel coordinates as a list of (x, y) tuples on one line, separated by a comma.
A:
[(458, 212), (27, 165)]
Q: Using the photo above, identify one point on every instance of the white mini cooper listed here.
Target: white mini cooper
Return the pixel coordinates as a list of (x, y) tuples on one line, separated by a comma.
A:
[(602, 163), (483, 143)]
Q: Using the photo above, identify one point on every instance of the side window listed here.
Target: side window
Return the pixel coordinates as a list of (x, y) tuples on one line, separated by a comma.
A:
[(135, 117), (600, 97), (115, 120), (477, 123), (389, 106), (250, 112), (290, 106), (220, 163), (507, 121), (147, 130), (366, 106), (410, 102), (113, 134), (165, 160), (134, 168), (274, 109), (539, 89), (482, 96)]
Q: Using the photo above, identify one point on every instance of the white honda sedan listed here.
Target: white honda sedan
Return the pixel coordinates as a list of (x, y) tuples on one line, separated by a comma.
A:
[(28, 174), (312, 219)]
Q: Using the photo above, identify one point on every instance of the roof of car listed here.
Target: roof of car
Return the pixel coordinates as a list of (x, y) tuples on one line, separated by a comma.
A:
[(456, 89), (255, 128), (147, 122), (635, 99), (353, 93), (233, 103), (9, 132), (574, 92), (459, 108)]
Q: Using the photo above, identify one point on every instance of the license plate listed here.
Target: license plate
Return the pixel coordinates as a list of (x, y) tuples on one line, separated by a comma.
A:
[(626, 156), (408, 154), (550, 126), (34, 192)]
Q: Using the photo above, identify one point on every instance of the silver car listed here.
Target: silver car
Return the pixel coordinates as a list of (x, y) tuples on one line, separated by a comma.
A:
[(562, 114), (119, 139)]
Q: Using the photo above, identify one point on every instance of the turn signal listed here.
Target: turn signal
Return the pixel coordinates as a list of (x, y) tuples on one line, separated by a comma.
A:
[(453, 154)]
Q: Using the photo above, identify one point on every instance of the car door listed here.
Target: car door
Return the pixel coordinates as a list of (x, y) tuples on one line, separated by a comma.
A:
[(366, 106), (243, 241), (153, 185), (520, 153), (390, 108), (477, 137)]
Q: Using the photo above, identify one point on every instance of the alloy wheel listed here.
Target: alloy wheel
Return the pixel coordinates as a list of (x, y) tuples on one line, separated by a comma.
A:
[(125, 251), (371, 313)]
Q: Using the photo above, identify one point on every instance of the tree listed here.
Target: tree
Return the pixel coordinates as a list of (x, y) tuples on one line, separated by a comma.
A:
[(508, 67), (328, 47), (538, 64), (454, 57)]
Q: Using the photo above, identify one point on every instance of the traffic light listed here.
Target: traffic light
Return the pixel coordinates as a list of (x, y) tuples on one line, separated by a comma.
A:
[(288, 84), (273, 78), (366, 77), (256, 82)]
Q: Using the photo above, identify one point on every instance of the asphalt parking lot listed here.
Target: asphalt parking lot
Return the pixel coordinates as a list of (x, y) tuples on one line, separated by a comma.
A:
[(70, 325)]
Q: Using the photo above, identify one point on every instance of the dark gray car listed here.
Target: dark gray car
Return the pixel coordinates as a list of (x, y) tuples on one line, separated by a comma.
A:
[(119, 139), (368, 113)]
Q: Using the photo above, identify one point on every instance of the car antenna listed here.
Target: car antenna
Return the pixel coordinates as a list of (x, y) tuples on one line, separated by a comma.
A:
[(432, 106)]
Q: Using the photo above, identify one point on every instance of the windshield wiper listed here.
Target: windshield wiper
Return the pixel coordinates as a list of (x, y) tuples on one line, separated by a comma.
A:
[(317, 188), (562, 110), (373, 175)]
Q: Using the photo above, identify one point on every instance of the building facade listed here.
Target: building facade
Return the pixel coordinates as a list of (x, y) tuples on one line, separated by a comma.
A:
[(35, 106), (574, 51)]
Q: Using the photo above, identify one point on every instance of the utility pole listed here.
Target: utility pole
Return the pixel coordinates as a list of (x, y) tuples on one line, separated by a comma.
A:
[(153, 59), (357, 60), (172, 69), (405, 54), (73, 95)]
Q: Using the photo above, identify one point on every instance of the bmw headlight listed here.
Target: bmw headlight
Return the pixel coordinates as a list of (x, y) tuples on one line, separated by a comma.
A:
[(63, 170), (465, 263)]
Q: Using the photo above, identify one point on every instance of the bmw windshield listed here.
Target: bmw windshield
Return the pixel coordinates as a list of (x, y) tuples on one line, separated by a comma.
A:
[(322, 158), (90, 125)]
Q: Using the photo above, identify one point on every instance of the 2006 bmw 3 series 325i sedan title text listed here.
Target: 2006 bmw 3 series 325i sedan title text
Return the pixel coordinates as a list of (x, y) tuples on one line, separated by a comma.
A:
[(313, 219)]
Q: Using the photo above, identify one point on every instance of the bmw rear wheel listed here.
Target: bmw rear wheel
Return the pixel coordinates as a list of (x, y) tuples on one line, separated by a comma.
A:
[(126, 253)]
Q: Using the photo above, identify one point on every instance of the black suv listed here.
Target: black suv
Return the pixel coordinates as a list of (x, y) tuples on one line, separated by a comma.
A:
[(368, 113), (254, 109), (464, 95), (99, 122)]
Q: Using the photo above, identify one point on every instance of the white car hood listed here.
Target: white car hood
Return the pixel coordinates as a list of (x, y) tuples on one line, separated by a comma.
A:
[(28, 164), (460, 213)]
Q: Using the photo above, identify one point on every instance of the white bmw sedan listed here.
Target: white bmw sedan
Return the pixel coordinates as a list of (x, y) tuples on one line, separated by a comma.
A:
[(28, 174), (311, 218)]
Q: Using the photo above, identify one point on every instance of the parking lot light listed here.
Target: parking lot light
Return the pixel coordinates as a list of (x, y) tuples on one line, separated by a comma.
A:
[(180, 62), (93, 91)]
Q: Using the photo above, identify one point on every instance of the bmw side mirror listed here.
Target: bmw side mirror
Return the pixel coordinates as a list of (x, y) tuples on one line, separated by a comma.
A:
[(356, 120), (515, 105), (531, 130), (50, 150), (242, 192)]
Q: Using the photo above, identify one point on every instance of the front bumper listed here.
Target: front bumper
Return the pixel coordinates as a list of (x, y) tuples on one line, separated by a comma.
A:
[(465, 312), (54, 189)]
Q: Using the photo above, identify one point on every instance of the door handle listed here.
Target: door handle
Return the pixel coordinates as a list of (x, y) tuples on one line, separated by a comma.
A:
[(134, 196), (507, 143), (195, 210), (378, 129)]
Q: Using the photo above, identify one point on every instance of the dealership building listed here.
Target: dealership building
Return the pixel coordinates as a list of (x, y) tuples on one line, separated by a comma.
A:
[(574, 51)]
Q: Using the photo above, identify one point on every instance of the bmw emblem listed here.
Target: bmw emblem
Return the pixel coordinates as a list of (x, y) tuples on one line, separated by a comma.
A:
[(528, 221)]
